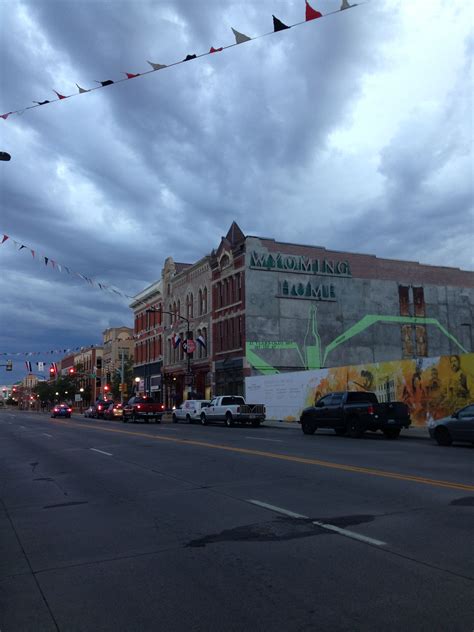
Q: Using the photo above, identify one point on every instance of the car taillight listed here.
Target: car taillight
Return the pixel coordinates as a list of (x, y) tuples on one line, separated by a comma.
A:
[(69, 410), (162, 406), (371, 410), (99, 407), (138, 406)]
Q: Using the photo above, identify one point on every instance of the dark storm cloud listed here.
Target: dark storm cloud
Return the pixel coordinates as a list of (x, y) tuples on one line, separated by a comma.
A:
[(111, 182)]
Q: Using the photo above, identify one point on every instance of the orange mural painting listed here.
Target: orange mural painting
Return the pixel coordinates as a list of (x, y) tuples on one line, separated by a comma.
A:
[(431, 387)]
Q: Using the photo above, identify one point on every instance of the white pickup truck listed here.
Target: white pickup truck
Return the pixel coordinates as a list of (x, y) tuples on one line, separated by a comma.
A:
[(232, 409)]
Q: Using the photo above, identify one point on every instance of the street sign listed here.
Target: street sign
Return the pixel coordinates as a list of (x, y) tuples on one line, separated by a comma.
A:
[(78, 398)]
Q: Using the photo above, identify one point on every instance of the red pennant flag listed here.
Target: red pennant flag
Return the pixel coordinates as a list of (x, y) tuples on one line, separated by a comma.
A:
[(5, 116), (60, 96), (215, 50), (33, 253), (131, 75), (311, 14), (5, 237)]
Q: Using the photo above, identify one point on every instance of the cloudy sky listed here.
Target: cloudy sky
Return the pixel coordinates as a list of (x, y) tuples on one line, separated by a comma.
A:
[(352, 132)]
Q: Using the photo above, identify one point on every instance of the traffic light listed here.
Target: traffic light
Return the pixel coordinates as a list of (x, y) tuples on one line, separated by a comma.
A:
[(9, 365)]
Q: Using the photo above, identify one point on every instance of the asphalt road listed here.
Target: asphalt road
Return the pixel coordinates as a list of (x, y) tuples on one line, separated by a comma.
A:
[(107, 526)]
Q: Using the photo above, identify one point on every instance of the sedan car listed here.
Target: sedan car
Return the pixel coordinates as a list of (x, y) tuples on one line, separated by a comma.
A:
[(61, 410), (114, 411), (101, 406), (458, 427)]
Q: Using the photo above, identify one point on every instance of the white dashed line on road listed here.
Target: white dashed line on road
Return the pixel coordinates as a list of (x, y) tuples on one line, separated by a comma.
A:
[(329, 527), (101, 451), (47, 435), (263, 439)]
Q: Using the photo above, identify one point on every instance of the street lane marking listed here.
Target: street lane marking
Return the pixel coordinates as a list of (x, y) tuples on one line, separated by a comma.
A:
[(329, 527), (281, 457), (101, 451), (263, 439), (285, 512), (47, 435)]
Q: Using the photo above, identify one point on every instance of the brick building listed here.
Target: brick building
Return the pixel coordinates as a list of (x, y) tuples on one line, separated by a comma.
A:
[(277, 307)]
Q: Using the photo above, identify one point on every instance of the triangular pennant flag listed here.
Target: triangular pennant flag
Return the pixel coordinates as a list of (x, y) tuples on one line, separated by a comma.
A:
[(189, 57), (5, 237), (311, 14), (278, 25), (52, 263), (107, 82), (130, 75), (59, 267), (45, 261), (60, 96), (41, 102), (16, 243), (67, 269), (346, 5), (215, 50), (5, 116), (21, 247), (33, 253), (240, 38), (156, 66), (81, 90)]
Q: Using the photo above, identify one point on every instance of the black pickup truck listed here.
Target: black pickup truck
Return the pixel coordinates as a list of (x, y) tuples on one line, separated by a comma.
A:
[(351, 413)]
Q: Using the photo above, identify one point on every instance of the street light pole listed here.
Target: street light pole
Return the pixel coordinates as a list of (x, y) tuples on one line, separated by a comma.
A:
[(188, 332)]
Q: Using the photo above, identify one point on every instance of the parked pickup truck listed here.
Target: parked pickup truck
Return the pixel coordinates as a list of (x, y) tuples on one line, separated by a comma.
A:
[(232, 409), (351, 413), (143, 408)]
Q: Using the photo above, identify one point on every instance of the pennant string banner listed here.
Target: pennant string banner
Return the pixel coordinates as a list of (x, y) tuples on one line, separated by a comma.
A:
[(54, 264), (240, 38)]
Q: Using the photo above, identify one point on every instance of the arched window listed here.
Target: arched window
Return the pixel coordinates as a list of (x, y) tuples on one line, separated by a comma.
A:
[(204, 300), (199, 302), (191, 305)]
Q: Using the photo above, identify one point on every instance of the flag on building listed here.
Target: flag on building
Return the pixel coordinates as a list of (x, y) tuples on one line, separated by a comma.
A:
[(28, 366), (201, 341), (176, 339)]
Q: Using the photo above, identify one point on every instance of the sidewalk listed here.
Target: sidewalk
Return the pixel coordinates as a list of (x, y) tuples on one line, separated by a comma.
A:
[(414, 432)]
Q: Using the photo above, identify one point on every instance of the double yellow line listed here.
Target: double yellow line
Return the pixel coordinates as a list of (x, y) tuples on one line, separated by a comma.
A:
[(282, 457)]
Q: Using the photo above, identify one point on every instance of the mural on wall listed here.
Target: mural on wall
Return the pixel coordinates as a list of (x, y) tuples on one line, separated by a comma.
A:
[(431, 387), (312, 355)]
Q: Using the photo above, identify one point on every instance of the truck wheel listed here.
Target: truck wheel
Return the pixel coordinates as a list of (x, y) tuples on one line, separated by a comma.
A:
[(355, 427), (307, 427), (229, 422), (391, 433), (442, 436), (175, 421), (203, 419), (188, 419)]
